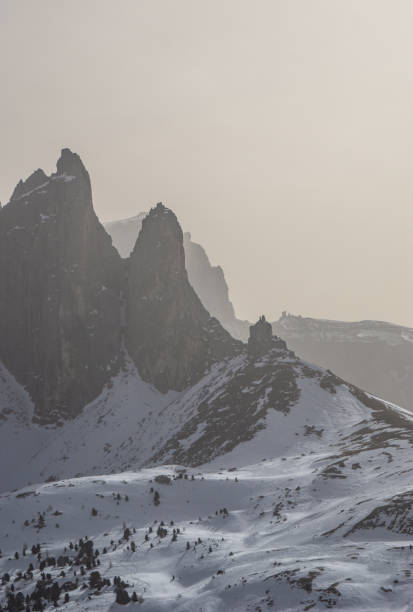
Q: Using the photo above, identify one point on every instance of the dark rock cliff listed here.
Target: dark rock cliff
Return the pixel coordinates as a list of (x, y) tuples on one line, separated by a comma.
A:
[(207, 280), (67, 297), (260, 339), (59, 286), (170, 335)]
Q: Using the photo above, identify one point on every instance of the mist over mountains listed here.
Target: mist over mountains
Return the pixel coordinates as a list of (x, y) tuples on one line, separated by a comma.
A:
[(155, 455), (374, 355)]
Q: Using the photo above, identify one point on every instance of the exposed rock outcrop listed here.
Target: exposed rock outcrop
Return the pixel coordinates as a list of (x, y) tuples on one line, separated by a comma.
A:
[(170, 335), (35, 180), (260, 339), (67, 297), (60, 280), (207, 280)]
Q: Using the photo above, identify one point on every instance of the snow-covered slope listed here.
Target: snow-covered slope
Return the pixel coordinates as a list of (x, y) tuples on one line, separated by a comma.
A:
[(114, 431), (287, 487), (244, 410), (281, 535)]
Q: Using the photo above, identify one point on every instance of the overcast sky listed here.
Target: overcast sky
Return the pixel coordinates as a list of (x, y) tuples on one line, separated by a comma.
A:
[(279, 131)]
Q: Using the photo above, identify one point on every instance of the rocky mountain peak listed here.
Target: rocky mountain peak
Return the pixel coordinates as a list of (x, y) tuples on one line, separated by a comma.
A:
[(170, 335), (35, 180), (260, 340), (207, 280), (160, 247), (67, 297), (59, 291), (70, 164)]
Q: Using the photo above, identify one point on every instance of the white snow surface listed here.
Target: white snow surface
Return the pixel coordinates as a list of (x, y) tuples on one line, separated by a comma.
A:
[(319, 497), (270, 552)]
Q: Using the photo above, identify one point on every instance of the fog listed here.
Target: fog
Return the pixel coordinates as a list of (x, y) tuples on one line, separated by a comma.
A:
[(280, 132)]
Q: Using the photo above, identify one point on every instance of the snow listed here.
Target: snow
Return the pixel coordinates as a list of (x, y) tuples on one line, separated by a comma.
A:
[(124, 417), (246, 559), (66, 178), (319, 499), (24, 195)]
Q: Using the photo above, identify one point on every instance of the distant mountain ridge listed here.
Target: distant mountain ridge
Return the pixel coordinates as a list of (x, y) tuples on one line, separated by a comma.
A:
[(374, 355)]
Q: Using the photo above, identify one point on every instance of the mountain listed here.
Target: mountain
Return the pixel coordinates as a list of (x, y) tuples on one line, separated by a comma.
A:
[(59, 285), (373, 355), (210, 284), (270, 483), (264, 402), (169, 334), (65, 293), (196, 473), (207, 280)]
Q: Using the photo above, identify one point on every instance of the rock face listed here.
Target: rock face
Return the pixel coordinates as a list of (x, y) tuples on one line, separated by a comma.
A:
[(260, 339), (35, 180), (207, 280), (60, 280), (68, 300), (169, 334)]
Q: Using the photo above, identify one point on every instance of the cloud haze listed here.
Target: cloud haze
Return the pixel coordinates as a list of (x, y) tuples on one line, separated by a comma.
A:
[(280, 132)]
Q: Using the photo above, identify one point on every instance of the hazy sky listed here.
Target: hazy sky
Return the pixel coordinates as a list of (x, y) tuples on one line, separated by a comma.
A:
[(279, 131)]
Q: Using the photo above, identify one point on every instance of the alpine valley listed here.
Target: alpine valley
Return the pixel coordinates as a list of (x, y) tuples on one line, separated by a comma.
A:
[(158, 454)]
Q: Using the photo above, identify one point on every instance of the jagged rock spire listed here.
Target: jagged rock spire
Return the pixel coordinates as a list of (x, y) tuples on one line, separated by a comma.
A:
[(69, 163), (260, 339), (64, 291), (170, 335), (60, 280)]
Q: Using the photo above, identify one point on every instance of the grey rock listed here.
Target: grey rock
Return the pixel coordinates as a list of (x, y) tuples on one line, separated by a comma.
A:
[(207, 280), (170, 335), (260, 339), (68, 300), (59, 286)]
